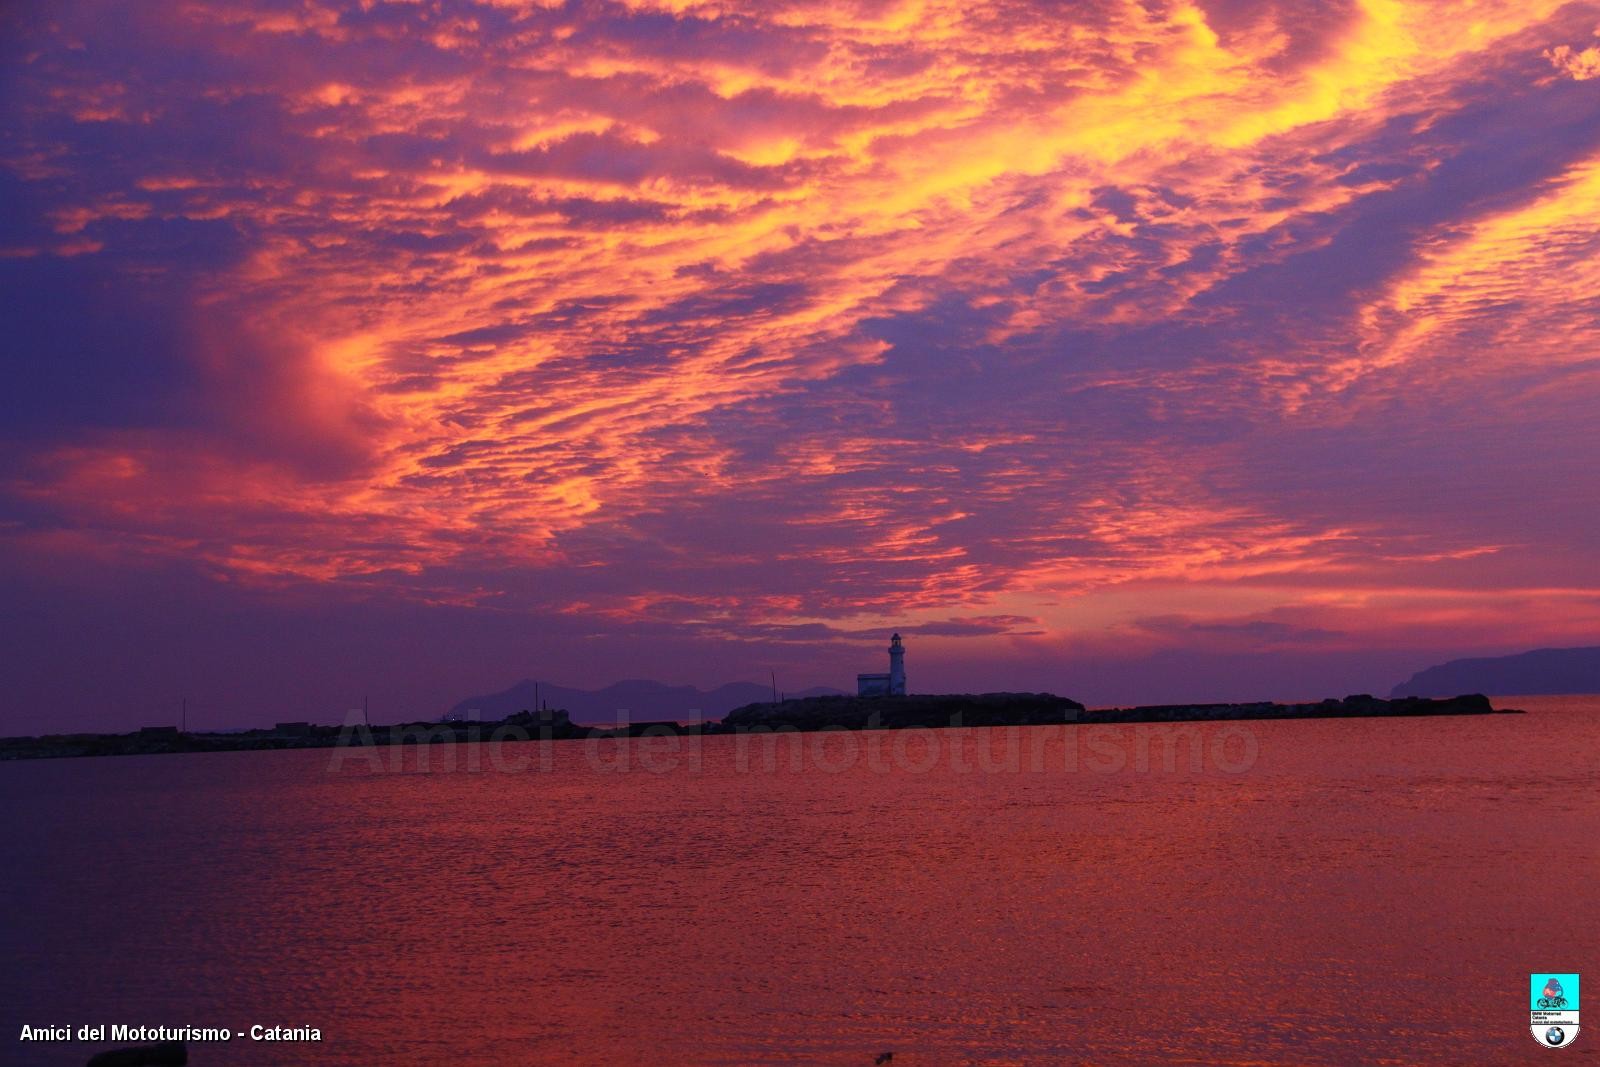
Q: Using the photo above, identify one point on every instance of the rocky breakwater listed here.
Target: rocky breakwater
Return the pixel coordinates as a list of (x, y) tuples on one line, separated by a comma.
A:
[(1041, 709), (1359, 706), (897, 713)]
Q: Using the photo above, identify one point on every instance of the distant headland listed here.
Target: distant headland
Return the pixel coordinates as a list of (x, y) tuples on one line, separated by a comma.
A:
[(638, 695), (1543, 670)]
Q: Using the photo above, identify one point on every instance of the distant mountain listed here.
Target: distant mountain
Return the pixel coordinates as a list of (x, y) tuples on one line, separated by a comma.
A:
[(639, 699), (1544, 670)]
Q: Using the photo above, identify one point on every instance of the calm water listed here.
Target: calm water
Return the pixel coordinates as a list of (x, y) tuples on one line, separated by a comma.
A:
[(1318, 892)]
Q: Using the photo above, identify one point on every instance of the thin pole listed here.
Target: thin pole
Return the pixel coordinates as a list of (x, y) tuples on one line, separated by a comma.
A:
[(774, 685), (364, 716), (184, 727)]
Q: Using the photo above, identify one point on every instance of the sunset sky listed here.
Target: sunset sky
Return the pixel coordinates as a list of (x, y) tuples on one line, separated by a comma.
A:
[(1131, 349)]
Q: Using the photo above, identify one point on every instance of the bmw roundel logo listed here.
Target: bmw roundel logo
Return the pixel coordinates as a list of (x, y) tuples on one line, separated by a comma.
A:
[(1555, 1035)]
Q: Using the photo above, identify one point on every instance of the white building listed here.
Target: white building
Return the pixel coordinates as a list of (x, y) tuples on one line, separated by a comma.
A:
[(892, 684)]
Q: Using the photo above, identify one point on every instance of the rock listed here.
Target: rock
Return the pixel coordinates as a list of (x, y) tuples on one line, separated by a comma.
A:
[(166, 1054)]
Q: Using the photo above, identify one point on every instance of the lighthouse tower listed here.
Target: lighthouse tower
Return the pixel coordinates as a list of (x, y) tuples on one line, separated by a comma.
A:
[(897, 667), (892, 684)]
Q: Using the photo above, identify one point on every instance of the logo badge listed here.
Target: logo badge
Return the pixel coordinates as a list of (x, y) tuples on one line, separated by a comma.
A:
[(1553, 1008)]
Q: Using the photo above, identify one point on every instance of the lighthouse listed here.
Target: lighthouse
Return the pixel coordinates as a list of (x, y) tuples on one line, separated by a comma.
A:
[(892, 684), (897, 667)]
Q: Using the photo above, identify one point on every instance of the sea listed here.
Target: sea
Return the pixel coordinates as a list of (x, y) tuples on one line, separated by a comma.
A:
[(1358, 891)]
